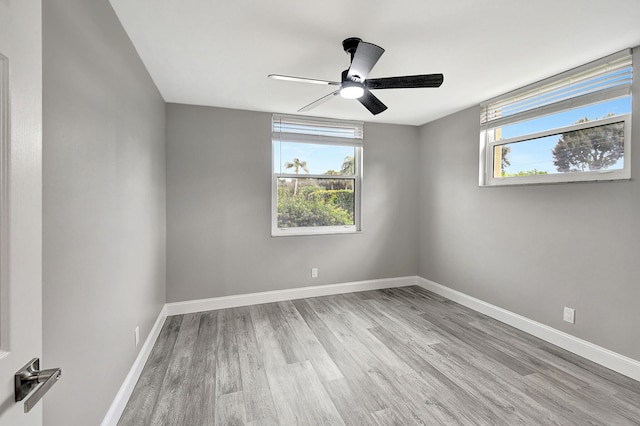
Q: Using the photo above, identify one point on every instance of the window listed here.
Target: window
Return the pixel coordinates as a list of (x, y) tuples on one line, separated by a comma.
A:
[(575, 126), (316, 175)]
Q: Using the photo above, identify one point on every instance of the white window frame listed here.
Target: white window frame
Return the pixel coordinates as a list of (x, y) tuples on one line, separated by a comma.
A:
[(357, 143), (586, 176), (487, 144)]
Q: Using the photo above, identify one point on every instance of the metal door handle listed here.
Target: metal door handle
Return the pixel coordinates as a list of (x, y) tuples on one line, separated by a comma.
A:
[(29, 377)]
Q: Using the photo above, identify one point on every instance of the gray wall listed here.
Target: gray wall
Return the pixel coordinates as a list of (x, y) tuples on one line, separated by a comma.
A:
[(219, 209), (533, 249), (104, 206)]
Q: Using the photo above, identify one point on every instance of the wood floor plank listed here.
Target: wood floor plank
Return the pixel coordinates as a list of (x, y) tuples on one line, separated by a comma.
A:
[(409, 325), (471, 339), (257, 395), (298, 394), (228, 376), (201, 402), (313, 349), (280, 382), (558, 402), (350, 404), (172, 401), (354, 373), (401, 356), (290, 345), (387, 417), (537, 359), (499, 399), (357, 340), (230, 410), (423, 363), (318, 406), (492, 385), (147, 389), (319, 329), (430, 402)]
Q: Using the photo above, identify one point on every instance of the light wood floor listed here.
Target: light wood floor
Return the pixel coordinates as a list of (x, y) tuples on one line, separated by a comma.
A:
[(391, 357)]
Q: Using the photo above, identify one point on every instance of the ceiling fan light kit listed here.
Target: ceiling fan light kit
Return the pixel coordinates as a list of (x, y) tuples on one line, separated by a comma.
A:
[(354, 83), (351, 90)]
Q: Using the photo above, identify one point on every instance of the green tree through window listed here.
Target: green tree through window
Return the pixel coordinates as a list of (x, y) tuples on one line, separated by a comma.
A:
[(296, 166), (316, 201), (594, 148)]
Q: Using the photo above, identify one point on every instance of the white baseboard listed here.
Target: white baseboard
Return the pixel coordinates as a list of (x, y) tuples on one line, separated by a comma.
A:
[(201, 305), (612, 360), (122, 397), (616, 362)]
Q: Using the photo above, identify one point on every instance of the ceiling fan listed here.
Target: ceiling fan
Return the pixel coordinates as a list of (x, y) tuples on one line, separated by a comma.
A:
[(354, 83)]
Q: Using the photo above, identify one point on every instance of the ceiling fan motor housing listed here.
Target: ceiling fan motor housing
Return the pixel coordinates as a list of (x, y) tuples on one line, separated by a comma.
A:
[(345, 77), (350, 45)]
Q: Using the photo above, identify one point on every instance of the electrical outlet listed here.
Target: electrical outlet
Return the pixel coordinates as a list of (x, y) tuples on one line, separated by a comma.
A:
[(314, 272), (136, 335), (569, 315)]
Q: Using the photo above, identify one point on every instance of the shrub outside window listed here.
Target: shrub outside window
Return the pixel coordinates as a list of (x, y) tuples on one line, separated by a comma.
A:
[(573, 127), (316, 175)]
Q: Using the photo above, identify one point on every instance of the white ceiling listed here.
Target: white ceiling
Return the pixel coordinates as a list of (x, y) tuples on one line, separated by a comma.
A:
[(219, 53)]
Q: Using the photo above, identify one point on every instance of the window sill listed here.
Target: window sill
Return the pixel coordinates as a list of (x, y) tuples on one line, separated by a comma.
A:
[(619, 176), (305, 232)]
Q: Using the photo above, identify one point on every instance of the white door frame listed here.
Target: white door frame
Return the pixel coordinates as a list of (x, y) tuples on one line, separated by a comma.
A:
[(21, 317)]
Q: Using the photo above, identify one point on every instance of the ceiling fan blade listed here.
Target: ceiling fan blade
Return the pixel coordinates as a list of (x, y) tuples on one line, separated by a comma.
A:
[(364, 58), (406, 82), (373, 104), (303, 80), (319, 101)]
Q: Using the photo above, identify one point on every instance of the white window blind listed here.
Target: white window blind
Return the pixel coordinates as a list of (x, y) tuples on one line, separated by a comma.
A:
[(603, 79), (289, 128)]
